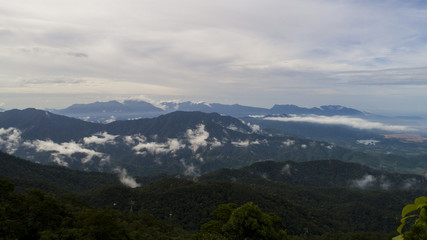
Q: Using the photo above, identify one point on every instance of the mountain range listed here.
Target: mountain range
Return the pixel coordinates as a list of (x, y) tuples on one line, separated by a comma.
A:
[(343, 126), (180, 165), (187, 143), (131, 109)]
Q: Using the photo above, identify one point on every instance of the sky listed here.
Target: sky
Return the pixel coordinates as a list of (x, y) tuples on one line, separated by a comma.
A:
[(370, 55)]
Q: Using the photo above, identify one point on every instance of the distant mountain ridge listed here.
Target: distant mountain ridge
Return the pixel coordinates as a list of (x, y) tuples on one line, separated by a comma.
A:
[(131, 109), (325, 110)]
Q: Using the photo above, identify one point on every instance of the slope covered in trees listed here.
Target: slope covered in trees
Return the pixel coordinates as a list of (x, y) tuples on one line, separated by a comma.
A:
[(312, 211)]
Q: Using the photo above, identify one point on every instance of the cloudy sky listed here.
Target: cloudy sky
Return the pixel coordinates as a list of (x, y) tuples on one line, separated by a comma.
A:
[(371, 55)]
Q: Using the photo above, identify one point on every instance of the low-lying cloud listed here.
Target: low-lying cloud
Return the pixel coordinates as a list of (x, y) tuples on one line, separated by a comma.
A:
[(358, 123), (194, 139), (100, 138), (368, 181), (197, 138), (10, 139), (365, 182), (170, 146), (289, 142), (66, 149), (190, 169), (246, 143), (125, 179), (286, 170)]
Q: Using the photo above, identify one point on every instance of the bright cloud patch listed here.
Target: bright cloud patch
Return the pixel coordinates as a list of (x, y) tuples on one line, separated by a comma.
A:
[(341, 120), (171, 146), (364, 182), (125, 179), (10, 139), (100, 138), (368, 142), (245, 143), (197, 138), (66, 149), (254, 127), (289, 142), (215, 143)]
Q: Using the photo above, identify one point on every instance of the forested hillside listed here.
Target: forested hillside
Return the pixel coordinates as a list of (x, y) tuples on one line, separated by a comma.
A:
[(317, 212)]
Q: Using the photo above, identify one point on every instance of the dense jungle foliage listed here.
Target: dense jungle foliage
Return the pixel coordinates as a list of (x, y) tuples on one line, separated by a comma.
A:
[(84, 205)]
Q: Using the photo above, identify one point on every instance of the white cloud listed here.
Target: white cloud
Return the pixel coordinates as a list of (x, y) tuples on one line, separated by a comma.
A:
[(245, 143), (142, 146), (190, 169), (125, 179), (289, 142), (67, 149), (197, 138), (215, 143), (255, 127), (10, 139), (111, 119), (368, 142), (144, 99), (233, 127), (134, 139), (304, 146), (175, 144), (100, 138), (341, 120), (364, 182), (286, 170)]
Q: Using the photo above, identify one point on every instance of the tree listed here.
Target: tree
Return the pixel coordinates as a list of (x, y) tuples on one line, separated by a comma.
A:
[(418, 230), (242, 223)]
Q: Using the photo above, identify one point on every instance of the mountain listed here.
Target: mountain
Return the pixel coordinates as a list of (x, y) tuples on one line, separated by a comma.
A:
[(188, 143), (177, 123), (133, 109), (312, 210), (54, 179), (110, 111), (187, 203), (325, 110), (319, 173), (39, 124), (234, 110)]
